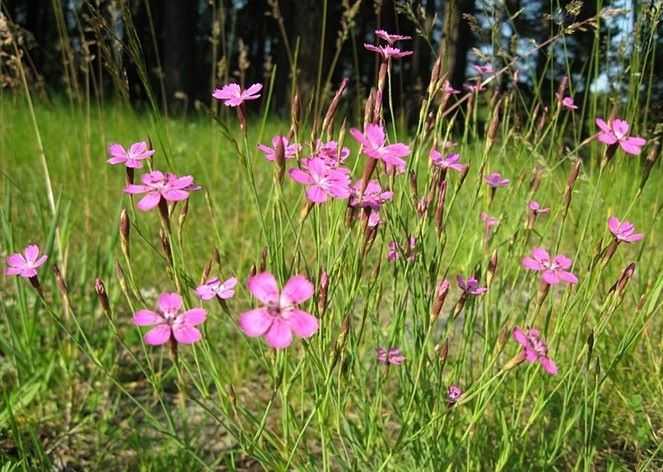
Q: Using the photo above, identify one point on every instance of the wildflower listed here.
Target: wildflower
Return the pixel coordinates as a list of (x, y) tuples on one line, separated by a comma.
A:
[(447, 89), (489, 222), (474, 88), (470, 286), (391, 356), (158, 185), (484, 69), (450, 161), (390, 38), (567, 102), (388, 52), (393, 252), (553, 271), (495, 180), (454, 393), (217, 288), (289, 150), (623, 231), (534, 349), (132, 157), (373, 145), (168, 321), (441, 292), (233, 96), (615, 132), (371, 199), (536, 208), (331, 153), (280, 316), (322, 181), (25, 264)]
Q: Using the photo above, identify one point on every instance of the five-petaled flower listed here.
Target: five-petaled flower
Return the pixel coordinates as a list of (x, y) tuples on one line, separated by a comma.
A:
[(280, 316), (391, 356), (233, 96), (132, 157), (158, 185), (289, 150), (169, 321), (495, 180), (371, 200), (321, 180), (454, 392), (567, 102), (448, 89), (615, 131), (553, 271), (470, 286), (373, 145), (489, 222), (387, 52), (390, 38), (214, 287), (484, 69), (623, 231), (450, 161), (534, 349), (329, 151), (25, 264), (536, 208)]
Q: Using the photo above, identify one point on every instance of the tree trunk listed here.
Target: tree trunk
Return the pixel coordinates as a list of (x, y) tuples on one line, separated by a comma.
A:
[(177, 50), (457, 40)]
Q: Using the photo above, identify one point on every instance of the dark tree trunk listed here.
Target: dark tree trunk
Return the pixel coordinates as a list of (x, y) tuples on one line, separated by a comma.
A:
[(177, 51), (457, 40)]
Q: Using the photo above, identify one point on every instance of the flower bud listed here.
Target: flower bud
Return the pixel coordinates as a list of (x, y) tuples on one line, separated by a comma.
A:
[(439, 210), (570, 183), (441, 292), (333, 106), (323, 286), (263, 260), (165, 245), (125, 228), (368, 108), (102, 296), (492, 268), (623, 281)]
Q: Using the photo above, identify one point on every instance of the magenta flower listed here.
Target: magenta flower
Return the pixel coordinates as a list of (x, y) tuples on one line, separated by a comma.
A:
[(216, 288), (132, 158), (322, 181), (387, 52), (553, 271), (454, 392), (391, 356), (485, 69), (371, 199), (290, 150), (536, 208), (373, 145), (448, 89), (470, 286), (393, 250), (390, 38), (489, 222), (158, 185), (450, 161), (616, 131), (25, 264), (233, 96), (280, 316), (495, 180), (567, 102), (168, 321), (474, 88), (623, 231), (330, 152), (534, 349)]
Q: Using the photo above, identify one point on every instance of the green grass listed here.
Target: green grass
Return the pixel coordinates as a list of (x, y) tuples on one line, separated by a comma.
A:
[(80, 388)]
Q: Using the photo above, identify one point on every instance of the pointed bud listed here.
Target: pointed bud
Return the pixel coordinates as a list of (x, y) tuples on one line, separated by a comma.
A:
[(368, 108), (441, 292), (435, 74), (333, 106), (323, 286), (102, 296), (439, 210), (263, 259), (570, 183), (125, 228), (652, 157), (493, 126), (165, 245), (253, 271), (514, 362), (295, 108), (182, 217), (279, 158), (623, 280), (413, 184), (443, 353), (492, 268)]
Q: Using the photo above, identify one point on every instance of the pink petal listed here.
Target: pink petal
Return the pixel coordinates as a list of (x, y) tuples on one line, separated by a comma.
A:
[(300, 176), (316, 194), (149, 201), (175, 195), (158, 335), (205, 292), (607, 138), (13, 270), (263, 286), (147, 318), (27, 272), (116, 160), (358, 135), (39, 262), (16, 260), (603, 126), (303, 324), (613, 224), (563, 261), (375, 135), (31, 252), (520, 337), (531, 264), (620, 127), (550, 277), (279, 335), (567, 277), (117, 150), (133, 189), (632, 145), (540, 254), (548, 365), (255, 322), (186, 334), (169, 302), (530, 355), (298, 289), (193, 317), (252, 90)]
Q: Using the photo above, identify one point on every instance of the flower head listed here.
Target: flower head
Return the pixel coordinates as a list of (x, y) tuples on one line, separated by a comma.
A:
[(387, 52), (553, 271), (616, 131), (393, 250), (373, 145), (470, 286), (280, 316), (495, 180), (536, 208), (454, 393), (168, 321), (390, 38), (489, 222), (233, 96), (132, 157), (371, 199), (391, 356), (567, 102), (330, 152), (623, 231), (217, 288), (534, 349), (25, 264), (450, 161), (448, 89), (158, 185), (322, 181), (484, 69), (289, 150)]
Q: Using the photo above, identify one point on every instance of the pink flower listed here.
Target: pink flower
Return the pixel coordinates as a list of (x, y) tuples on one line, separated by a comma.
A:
[(387, 52), (158, 185), (371, 199), (470, 286), (552, 271), (168, 320), (567, 102), (454, 392), (489, 222), (534, 349), (391, 356), (290, 150), (25, 264), (485, 69), (495, 180), (373, 145), (233, 96), (132, 158), (330, 152), (623, 231), (615, 131), (536, 208), (322, 181), (393, 252), (280, 316), (474, 88), (448, 89), (450, 161), (216, 288), (390, 38)]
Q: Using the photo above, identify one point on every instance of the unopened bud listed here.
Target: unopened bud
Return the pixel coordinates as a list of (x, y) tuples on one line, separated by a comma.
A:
[(368, 108), (439, 210), (413, 184), (295, 108), (263, 260), (323, 286), (125, 228), (443, 352), (165, 245), (570, 183), (623, 280), (652, 157), (333, 106), (492, 268), (493, 126), (102, 296), (441, 292), (182, 217)]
